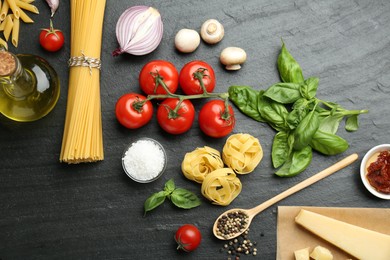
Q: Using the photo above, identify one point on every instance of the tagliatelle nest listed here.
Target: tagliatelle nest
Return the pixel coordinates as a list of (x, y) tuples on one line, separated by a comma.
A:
[(242, 153), (200, 162), (221, 186)]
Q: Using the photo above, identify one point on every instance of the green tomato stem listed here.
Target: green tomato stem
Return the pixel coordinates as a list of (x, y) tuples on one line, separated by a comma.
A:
[(199, 74)]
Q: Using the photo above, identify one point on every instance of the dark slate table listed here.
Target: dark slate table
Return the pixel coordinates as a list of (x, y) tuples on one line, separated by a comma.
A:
[(50, 210)]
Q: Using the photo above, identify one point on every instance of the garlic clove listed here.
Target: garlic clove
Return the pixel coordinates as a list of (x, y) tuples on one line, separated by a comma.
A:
[(212, 31), (232, 58), (187, 40)]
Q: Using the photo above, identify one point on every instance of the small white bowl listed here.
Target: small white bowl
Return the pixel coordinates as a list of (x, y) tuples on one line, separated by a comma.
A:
[(144, 160), (363, 170)]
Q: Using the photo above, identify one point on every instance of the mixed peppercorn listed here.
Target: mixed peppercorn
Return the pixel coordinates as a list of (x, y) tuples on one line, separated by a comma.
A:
[(232, 223), (240, 246)]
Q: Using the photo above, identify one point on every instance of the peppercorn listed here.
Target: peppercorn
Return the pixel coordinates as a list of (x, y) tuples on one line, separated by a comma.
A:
[(240, 246)]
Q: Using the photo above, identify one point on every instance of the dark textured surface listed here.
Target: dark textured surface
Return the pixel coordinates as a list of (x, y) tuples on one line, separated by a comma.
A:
[(50, 210)]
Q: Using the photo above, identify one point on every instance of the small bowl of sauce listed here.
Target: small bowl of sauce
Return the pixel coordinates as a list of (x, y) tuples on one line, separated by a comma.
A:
[(375, 171)]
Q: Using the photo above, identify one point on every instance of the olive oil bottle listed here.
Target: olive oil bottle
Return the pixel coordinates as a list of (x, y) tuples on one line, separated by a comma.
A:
[(29, 86)]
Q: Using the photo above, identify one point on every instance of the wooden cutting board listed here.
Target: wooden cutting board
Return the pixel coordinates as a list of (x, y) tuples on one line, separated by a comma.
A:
[(291, 236)]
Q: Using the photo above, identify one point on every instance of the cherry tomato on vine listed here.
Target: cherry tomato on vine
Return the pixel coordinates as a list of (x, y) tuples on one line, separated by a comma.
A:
[(164, 71), (188, 237), (172, 121), (51, 39), (191, 74), (131, 112), (214, 120)]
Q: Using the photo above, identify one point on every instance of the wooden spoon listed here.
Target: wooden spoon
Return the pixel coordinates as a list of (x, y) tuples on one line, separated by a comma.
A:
[(249, 214)]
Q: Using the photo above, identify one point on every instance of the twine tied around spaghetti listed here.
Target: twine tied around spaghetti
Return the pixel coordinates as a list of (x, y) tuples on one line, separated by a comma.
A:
[(84, 61)]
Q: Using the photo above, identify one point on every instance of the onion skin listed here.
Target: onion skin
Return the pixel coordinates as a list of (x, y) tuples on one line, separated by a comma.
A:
[(53, 4), (139, 31)]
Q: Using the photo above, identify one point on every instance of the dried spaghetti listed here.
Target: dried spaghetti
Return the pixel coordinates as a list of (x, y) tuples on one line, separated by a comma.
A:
[(82, 138)]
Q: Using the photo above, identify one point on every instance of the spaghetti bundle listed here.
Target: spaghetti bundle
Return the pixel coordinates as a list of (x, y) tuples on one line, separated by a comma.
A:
[(82, 138)]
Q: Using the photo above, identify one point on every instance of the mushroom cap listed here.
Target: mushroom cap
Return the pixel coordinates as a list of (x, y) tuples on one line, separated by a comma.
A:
[(187, 40), (232, 57), (212, 31)]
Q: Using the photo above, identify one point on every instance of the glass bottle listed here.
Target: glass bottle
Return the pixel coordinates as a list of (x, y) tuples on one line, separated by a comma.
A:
[(29, 86)]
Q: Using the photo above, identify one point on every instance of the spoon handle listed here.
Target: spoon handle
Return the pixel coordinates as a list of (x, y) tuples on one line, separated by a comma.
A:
[(313, 179)]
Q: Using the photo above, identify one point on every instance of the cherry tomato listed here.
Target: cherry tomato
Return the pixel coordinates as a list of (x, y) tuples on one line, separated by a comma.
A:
[(165, 71), (131, 112), (188, 237), (190, 75), (175, 122), (51, 39), (214, 120)]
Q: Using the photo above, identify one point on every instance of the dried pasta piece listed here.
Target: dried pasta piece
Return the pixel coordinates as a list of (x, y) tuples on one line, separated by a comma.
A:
[(15, 32), (242, 153), (200, 162), (4, 10), (15, 9), (3, 43), (8, 26), (221, 186)]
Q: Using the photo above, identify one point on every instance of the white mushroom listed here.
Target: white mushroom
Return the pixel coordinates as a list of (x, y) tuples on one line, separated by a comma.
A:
[(212, 31), (232, 58), (187, 40)]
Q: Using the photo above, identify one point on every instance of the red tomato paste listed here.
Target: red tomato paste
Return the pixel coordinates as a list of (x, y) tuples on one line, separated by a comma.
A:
[(378, 173)]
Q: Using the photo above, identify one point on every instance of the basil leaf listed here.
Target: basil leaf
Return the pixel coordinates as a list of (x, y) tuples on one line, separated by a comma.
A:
[(284, 171), (285, 93), (154, 201), (185, 199), (246, 100), (306, 130), (274, 113), (169, 186), (280, 149), (352, 123), (301, 160), (308, 90), (328, 144), (330, 123), (296, 163), (289, 69)]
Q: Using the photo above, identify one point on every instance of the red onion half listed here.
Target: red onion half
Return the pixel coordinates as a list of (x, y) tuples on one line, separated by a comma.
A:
[(139, 31)]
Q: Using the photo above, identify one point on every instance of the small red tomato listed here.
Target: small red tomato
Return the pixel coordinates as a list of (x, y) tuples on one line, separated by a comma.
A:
[(192, 73), (188, 237), (160, 69), (215, 120), (132, 111), (173, 120), (51, 39)]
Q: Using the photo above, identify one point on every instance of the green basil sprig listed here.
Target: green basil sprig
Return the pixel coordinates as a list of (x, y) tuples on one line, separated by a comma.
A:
[(180, 197), (303, 122)]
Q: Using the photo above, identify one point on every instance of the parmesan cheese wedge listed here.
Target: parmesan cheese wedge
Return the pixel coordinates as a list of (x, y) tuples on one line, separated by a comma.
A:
[(359, 242), (302, 254), (321, 253)]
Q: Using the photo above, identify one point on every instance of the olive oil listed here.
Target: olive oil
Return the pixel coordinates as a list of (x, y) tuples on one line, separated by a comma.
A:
[(31, 91)]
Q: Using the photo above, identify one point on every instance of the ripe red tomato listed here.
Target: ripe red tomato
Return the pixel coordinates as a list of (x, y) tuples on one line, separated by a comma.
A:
[(189, 81), (131, 112), (51, 39), (165, 70), (188, 237), (214, 120), (175, 122)]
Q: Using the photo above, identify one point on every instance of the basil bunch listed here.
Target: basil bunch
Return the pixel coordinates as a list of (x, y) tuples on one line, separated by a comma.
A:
[(302, 121), (181, 198)]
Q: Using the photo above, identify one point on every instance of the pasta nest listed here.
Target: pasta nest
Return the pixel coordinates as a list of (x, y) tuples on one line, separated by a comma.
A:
[(221, 186), (200, 162), (242, 153)]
